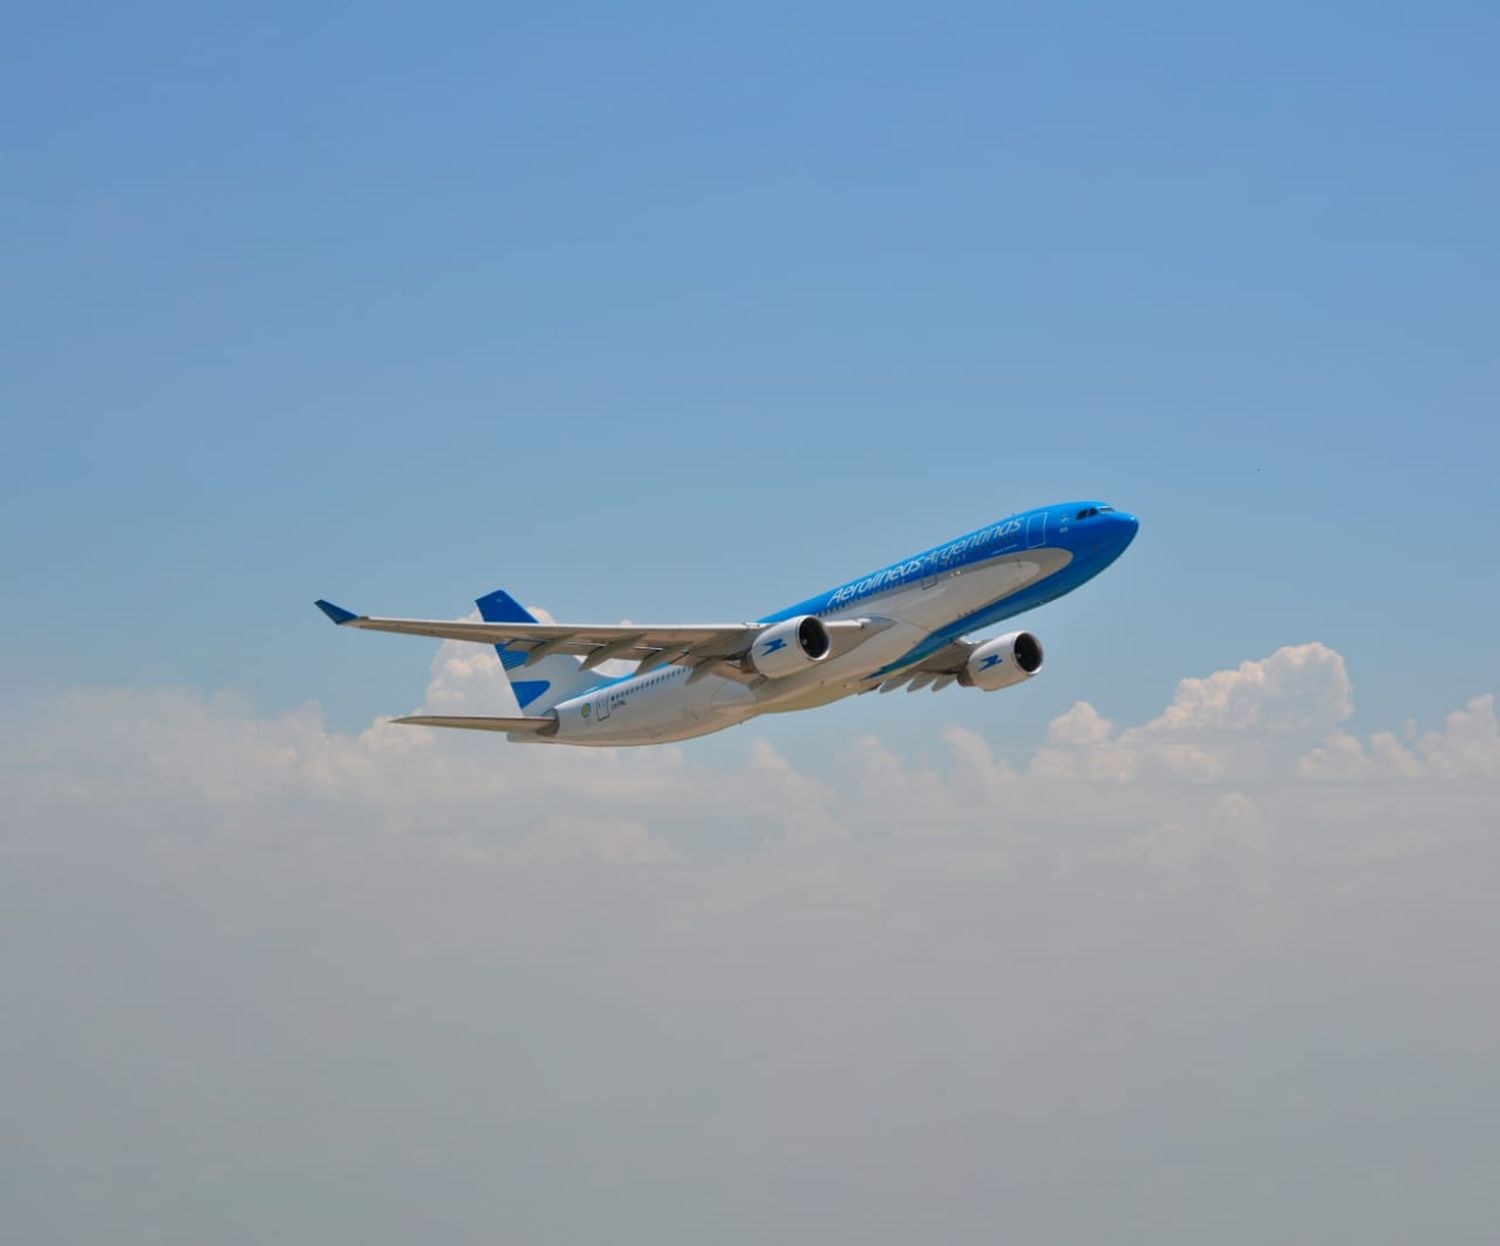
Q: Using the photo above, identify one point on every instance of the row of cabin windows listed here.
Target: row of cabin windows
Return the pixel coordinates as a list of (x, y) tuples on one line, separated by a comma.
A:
[(676, 670)]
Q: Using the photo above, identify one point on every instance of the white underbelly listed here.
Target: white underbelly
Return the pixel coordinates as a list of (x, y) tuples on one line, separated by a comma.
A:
[(915, 611), (911, 614)]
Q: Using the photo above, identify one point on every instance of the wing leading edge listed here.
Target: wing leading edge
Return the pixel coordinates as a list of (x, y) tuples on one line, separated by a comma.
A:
[(692, 643)]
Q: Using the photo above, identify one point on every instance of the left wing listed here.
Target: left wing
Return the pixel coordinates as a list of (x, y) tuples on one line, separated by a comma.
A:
[(692, 643)]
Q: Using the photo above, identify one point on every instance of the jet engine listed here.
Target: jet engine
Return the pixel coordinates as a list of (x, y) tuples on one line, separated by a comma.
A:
[(1001, 662), (790, 646)]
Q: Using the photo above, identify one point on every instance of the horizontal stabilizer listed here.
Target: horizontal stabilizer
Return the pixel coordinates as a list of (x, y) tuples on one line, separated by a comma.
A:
[(542, 726)]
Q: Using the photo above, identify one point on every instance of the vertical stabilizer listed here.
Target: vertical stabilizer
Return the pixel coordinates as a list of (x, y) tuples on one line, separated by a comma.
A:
[(542, 685)]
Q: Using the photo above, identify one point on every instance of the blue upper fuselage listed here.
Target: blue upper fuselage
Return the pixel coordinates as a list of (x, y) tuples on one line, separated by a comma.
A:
[(1093, 533)]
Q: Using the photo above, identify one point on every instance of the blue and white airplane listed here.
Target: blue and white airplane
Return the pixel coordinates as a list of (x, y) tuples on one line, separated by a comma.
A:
[(900, 626)]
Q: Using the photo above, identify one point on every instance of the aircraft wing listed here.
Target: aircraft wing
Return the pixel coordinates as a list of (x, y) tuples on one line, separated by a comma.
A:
[(469, 722), (693, 643), (936, 671)]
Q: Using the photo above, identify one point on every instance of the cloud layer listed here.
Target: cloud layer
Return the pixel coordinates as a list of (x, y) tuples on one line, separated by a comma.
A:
[(1227, 974)]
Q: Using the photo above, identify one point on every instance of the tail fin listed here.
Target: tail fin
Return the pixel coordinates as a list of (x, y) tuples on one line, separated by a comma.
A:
[(555, 678)]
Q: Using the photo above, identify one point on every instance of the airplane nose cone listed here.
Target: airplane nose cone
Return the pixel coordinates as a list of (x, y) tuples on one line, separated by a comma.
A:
[(1125, 527)]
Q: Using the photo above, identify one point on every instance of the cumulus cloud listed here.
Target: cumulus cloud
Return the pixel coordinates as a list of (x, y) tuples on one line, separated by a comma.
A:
[(1297, 688), (468, 679), (265, 975), (1232, 726), (1252, 725), (1468, 746)]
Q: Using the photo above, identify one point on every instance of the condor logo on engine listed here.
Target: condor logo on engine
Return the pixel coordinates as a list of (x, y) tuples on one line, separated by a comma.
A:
[(988, 669), (791, 646)]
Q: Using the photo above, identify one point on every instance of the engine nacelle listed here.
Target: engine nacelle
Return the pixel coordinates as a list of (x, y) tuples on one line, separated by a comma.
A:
[(1002, 662), (790, 646)]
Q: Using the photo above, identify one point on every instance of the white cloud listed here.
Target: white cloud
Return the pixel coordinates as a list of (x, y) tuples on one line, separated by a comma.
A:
[(468, 679), (1468, 746), (1297, 688), (269, 974), (1232, 726), (1469, 743), (1081, 727)]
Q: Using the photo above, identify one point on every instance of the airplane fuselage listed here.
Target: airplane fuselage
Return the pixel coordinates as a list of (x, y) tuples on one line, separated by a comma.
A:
[(912, 609)]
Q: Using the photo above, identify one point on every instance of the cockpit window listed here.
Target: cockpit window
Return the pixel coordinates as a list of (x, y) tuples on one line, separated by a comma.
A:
[(1090, 512), (1102, 509)]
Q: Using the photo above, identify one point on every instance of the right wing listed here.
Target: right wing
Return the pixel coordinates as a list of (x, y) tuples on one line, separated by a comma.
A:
[(692, 643)]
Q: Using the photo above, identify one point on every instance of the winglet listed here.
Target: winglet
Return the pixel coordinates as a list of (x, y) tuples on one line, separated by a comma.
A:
[(337, 613)]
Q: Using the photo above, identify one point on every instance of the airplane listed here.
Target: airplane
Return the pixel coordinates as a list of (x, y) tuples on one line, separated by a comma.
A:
[(900, 626)]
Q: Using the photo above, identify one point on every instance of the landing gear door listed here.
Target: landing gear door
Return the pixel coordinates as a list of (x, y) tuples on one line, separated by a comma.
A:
[(1036, 530)]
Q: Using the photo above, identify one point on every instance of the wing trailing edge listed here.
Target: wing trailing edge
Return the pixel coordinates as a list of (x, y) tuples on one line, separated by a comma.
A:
[(690, 643)]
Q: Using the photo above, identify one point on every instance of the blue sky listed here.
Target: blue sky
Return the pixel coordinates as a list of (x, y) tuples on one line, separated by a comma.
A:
[(685, 313)]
